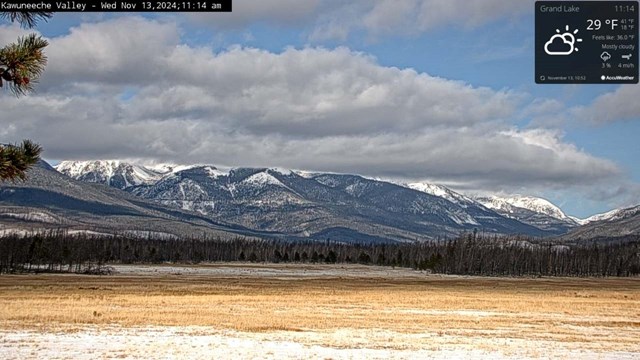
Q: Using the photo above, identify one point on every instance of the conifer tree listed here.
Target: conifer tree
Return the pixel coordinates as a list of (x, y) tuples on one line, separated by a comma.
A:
[(21, 64)]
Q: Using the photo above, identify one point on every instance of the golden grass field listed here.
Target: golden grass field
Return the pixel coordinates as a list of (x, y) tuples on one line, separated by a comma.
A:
[(602, 315)]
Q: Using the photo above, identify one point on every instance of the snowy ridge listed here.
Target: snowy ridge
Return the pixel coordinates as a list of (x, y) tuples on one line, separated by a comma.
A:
[(535, 204), (79, 168), (169, 168), (110, 172), (441, 191), (306, 174), (281, 171), (215, 173), (613, 215), (602, 217), (262, 178)]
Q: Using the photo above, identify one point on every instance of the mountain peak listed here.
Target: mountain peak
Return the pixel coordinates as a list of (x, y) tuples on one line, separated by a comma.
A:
[(114, 173), (75, 168), (532, 203), (262, 178), (615, 214)]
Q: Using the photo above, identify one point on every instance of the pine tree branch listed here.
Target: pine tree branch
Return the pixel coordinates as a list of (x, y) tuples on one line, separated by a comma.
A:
[(15, 160), (27, 19), (22, 63)]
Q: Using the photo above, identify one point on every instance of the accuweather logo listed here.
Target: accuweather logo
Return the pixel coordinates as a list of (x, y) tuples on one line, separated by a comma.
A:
[(617, 78)]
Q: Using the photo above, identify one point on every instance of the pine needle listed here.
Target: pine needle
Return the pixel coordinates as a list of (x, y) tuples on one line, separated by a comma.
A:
[(15, 160), (27, 19)]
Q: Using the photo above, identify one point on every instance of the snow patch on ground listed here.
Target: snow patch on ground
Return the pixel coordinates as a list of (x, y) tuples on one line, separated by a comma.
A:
[(18, 232), (461, 218), (34, 216), (151, 234), (253, 270), (167, 342)]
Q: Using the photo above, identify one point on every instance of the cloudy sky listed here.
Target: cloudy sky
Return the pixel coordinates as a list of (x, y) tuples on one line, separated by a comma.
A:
[(434, 90)]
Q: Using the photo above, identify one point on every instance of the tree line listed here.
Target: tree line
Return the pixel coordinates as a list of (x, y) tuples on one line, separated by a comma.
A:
[(469, 254)]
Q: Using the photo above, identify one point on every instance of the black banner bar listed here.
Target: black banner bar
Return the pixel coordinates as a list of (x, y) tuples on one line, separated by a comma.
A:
[(118, 6)]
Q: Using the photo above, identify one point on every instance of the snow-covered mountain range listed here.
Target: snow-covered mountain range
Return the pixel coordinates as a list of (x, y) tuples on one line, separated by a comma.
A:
[(303, 204), (516, 206), (114, 173), (329, 205)]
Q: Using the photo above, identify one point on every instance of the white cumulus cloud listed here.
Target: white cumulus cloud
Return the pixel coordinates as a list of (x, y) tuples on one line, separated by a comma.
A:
[(129, 88)]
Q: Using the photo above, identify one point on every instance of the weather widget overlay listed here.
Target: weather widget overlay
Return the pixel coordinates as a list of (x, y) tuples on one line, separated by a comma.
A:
[(586, 42)]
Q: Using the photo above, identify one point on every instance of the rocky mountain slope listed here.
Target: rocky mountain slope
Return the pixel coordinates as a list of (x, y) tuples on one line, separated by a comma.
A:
[(49, 199), (322, 206), (615, 224), (344, 207)]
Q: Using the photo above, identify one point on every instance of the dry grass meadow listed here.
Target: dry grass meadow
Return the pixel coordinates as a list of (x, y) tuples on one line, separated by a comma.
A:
[(598, 315)]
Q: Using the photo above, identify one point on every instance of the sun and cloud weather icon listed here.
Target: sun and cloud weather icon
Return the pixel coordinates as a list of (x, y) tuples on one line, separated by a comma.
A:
[(562, 43)]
